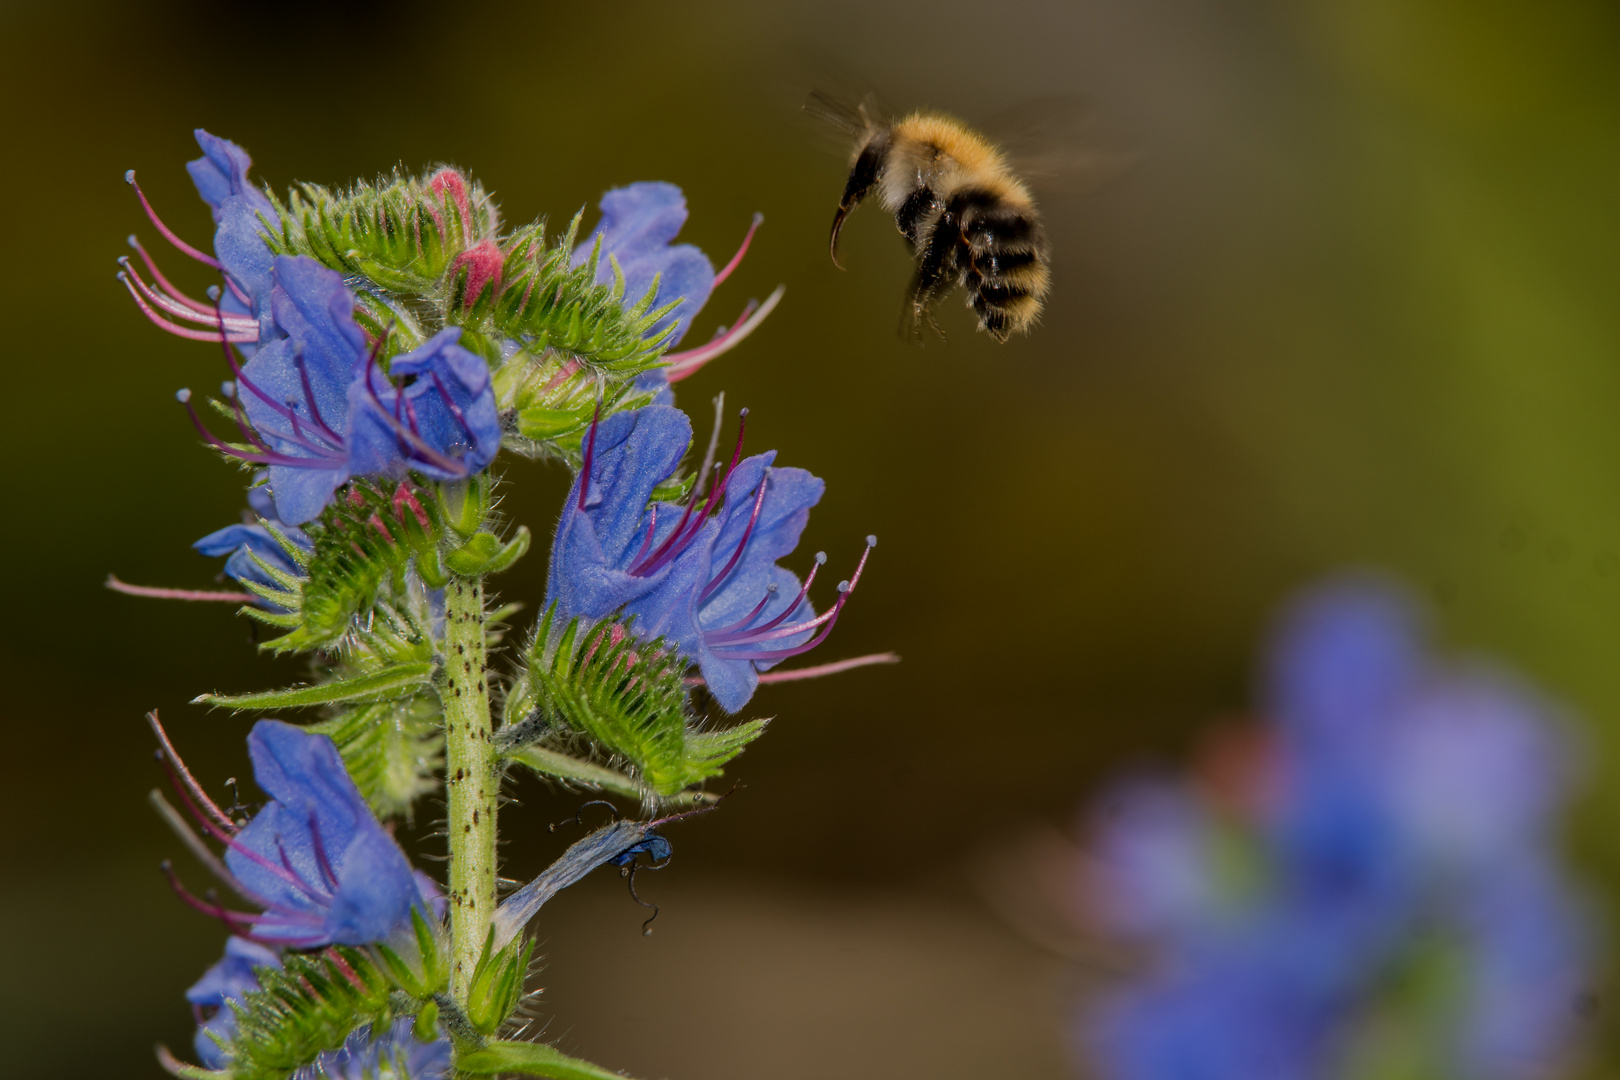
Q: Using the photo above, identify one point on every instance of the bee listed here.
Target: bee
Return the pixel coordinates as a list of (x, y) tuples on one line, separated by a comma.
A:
[(969, 219)]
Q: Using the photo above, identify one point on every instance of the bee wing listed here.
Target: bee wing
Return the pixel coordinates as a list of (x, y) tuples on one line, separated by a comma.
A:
[(1057, 144), (846, 115)]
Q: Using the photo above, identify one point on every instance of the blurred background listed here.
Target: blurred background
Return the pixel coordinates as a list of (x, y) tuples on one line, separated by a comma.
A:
[(1350, 298)]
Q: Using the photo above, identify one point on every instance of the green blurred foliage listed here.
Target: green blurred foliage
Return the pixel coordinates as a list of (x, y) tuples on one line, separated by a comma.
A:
[(1353, 301)]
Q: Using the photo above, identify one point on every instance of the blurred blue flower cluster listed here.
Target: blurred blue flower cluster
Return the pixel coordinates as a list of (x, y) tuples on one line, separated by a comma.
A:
[(1371, 888)]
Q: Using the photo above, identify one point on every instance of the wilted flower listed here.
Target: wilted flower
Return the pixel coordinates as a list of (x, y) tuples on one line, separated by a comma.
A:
[(1404, 837), (703, 576)]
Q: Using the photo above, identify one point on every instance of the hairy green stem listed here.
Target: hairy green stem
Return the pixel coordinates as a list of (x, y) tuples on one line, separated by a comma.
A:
[(472, 779)]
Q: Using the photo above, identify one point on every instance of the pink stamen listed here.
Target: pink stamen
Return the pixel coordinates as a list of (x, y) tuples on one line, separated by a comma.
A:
[(271, 458), (180, 331), (321, 858), (804, 590), (819, 670), (590, 456), (214, 829), (770, 591), (298, 882), (753, 519), (309, 398), (241, 417), (845, 590), (178, 771), (678, 540), (455, 410), (685, 364), (236, 291), (173, 1065), (726, 270), (218, 911), (652, 530), (159, 593), (334, 442), (180, 245), (163, 282), (182, 310), (750, 637)]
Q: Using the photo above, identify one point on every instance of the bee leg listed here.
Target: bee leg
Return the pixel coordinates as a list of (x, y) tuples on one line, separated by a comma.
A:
[(862, 179), (939, 266)]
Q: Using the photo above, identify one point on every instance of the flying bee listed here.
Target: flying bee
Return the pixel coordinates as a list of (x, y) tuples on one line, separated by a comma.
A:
[(968, 217)]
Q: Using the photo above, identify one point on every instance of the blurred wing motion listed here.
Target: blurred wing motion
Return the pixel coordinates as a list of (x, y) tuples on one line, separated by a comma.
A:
[(1056, 143)]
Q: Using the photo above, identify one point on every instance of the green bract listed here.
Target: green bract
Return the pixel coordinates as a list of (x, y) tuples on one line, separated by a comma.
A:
[(625, 696), (422, 253)]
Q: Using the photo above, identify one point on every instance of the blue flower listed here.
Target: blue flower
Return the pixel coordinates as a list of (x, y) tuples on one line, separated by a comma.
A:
[(295, 391), (637, 227), (382, 1052), (221, 174), (225, 982), (1408, 824), (444, 422), (595, 569), (300, 396), (725, 603), (241, 543), (704, 577), (315, 857)]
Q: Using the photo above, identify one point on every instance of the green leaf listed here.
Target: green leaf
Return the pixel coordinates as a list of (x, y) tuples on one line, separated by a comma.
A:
[(530, 1059), (560, 766), (394, 681)]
